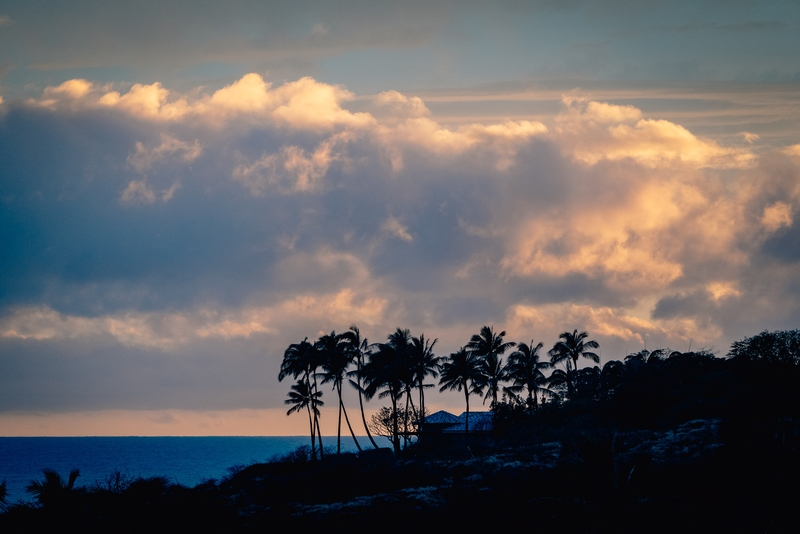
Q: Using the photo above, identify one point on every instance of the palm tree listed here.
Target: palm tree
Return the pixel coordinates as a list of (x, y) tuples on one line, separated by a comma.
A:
[(525, 369), (336, 358), (301, 359), (358, 349), (52, 490), (387, 371), (424, 363), (569, 349), (302, 397), (461, 371), (489, 346)]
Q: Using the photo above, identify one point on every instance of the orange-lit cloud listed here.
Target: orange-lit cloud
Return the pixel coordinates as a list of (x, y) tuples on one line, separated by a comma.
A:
[(595, 131), (167, 331)]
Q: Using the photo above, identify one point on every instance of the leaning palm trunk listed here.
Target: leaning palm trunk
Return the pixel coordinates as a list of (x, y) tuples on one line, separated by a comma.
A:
[(363, 417), (347, 420)]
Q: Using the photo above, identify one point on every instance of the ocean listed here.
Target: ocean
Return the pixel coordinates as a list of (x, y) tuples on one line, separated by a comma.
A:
[(184, 460)]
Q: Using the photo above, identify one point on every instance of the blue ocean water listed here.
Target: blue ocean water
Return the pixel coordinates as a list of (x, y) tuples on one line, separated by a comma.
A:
[(185, 460)]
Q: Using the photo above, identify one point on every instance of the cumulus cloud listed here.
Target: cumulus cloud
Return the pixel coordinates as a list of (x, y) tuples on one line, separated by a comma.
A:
[(302, 104), (594, 131)]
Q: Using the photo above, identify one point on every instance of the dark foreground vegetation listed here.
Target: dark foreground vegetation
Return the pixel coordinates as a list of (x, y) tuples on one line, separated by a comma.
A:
[(686, 441)]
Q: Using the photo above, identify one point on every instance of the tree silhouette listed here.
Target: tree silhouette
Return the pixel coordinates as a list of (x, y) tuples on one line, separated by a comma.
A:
[(571, 347), (301, 397), (335, 358), (388, 372), (781, 346), (488, 347), (424, 362), (302, 359), (358, 348), (461, 371), (52, 491), (525, 370)]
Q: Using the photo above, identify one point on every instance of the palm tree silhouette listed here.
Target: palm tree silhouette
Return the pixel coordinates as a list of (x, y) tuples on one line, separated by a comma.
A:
[(336, 358), (424, 362), (568, 350), (301, 359), (388, 371), (3, 494), (52, 490), (489, 346), (358, 349), (461, 371), (525, 369), (302, 397)]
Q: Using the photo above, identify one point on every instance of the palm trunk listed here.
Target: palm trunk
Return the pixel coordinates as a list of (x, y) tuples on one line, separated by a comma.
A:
[(395, 429), (466, 397), (361, 405), (421, 405), (405, 421), (319, 437), (311, 427), (339, 423), (364, 418), (316, 422), (347, 420)]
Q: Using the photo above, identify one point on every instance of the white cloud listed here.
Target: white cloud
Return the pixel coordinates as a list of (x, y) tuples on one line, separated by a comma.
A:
[(143, 158)]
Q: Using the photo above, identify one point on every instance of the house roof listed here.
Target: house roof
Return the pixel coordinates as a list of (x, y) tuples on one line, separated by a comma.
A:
[(442, 417), (478, 421)]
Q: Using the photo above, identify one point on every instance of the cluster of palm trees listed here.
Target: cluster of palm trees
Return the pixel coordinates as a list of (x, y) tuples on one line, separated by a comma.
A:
[(398, 368)]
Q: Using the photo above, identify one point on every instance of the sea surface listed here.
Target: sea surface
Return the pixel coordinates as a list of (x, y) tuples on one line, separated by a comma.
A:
[(183, 460)]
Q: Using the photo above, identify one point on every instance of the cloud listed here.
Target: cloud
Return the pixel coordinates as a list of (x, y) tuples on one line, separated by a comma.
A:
[(749, 137), (396, 229), (168, 331), (143, 158), (138, 192), (293, 169), (244, 228), (777, 216), (594, 131), (304, 104)]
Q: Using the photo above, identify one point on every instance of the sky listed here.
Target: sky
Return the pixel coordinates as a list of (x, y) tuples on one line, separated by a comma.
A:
[(187, 188)]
